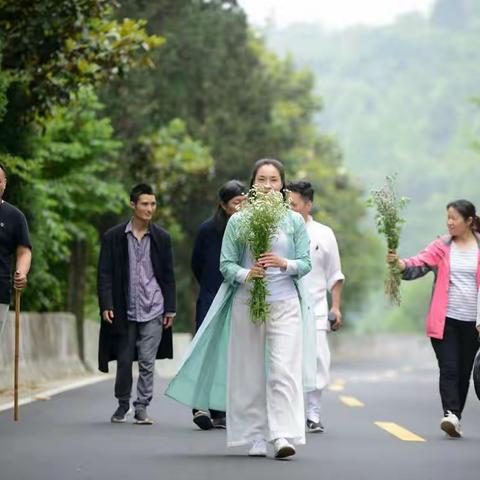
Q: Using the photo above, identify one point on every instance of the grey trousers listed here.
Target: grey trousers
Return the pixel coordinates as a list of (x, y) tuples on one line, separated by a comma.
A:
[(3, 316), (144, 337)]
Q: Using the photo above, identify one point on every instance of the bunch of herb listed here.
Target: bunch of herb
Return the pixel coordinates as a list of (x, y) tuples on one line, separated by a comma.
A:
[(260, 218), (389, 223)]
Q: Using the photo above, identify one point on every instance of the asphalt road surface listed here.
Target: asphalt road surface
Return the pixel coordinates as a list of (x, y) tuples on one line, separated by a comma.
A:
[(70, 437)]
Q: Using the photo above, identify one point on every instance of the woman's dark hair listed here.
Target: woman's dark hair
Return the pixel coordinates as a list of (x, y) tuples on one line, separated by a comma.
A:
[(304, 189), (277, 164), (140, 189), (466, 209), (229, 190), (2, 167)]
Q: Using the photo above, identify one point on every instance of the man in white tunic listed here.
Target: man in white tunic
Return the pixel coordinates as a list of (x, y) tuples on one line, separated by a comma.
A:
[(326, 274)]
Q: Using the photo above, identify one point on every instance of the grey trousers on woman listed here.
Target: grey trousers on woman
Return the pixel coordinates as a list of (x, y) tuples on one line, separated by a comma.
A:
[(143, 337)]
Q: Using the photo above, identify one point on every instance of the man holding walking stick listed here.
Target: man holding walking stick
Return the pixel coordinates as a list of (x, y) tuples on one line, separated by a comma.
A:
[(14, 242)]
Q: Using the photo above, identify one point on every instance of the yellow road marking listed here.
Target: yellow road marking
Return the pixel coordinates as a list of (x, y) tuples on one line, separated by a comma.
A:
[(336, 387), (351, 401), (399, 432)]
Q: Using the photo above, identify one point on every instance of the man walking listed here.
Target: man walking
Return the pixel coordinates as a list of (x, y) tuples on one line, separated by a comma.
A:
[(325, 275), (136, 293), (14, 241)]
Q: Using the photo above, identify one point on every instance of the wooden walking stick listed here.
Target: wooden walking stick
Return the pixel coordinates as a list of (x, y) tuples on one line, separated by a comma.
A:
[(17, 354)]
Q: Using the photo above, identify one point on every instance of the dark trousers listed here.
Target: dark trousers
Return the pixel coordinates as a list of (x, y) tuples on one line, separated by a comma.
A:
[(455, 355), (203, 304), (143, 338)]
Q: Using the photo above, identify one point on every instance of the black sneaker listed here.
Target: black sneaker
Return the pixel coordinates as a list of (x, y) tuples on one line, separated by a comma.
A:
[(121, 413), (141, 417), (220, 422), (315, 427), (202, 420)]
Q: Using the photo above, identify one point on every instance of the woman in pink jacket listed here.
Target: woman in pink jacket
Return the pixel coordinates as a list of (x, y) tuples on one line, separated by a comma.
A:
[(451, 320)]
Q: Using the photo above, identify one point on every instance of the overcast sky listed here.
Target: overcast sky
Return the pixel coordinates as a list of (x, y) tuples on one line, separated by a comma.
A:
[(331, 13)]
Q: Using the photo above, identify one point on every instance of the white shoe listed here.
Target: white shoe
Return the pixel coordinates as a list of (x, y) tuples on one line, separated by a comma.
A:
[(450, 424), (258, 449), (282, 448)]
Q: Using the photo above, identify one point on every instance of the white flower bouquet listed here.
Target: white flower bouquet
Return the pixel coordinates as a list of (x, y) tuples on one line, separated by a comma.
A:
[(261, 216), (389, 223)]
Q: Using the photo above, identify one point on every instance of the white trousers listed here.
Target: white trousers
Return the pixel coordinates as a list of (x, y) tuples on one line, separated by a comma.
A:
[(3, 316), (323, 376), (264, 380)]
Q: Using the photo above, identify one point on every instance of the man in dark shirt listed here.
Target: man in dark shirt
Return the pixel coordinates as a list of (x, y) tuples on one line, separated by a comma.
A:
[(136, 293), (14, 241)]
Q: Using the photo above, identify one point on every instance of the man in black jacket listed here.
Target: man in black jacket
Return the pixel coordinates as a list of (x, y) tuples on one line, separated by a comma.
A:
[(136, 294)]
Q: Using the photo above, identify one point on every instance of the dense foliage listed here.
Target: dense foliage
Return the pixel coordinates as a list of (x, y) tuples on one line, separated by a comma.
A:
[(400, 98), (96, 95)]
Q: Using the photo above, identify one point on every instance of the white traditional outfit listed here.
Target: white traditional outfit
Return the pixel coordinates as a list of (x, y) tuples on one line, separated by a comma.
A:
[(257, 373), (326, 272)]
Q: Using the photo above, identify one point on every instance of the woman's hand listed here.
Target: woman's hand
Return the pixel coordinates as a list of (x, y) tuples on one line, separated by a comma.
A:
[(269, 259), (257, 271), (392, 258), (478, 328)]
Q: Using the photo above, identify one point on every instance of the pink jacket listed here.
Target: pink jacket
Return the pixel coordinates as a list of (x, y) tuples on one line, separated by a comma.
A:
[(436, 257)]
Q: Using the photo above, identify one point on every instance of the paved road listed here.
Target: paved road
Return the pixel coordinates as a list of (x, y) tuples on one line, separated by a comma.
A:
[(69, 437)]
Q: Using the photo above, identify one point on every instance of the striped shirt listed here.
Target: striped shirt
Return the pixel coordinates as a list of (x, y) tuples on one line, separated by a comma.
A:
[(463, 289), (145, 298)]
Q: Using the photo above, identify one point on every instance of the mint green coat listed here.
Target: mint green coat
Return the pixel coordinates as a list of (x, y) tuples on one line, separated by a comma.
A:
[(201, 381)]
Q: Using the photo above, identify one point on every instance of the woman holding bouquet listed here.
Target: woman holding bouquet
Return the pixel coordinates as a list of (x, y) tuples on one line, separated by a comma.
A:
[(452, 317), (253, 366)]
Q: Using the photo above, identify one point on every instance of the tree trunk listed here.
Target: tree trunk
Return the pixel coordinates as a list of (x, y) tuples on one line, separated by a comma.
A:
[(76, 290)]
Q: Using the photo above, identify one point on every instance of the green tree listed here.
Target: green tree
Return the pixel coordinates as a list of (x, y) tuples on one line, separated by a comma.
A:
[(69, 184), (244, 103), (52, 139), (178, 166)]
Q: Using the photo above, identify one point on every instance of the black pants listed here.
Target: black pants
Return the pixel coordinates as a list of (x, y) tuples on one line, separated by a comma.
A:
[(203, 304), (455, 355)]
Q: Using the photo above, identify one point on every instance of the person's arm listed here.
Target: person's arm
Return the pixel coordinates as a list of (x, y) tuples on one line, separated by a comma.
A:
[(104, 281), (23, 253), (335, 278), (198, 255), (408, 271), (22, 267), (170, 285), (231, 256), (336, 304), (301, 264), (418, 265), (478, 311)]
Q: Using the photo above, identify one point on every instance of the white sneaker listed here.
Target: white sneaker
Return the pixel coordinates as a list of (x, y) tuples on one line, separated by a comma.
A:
[(258, 449), (282, 448), (450, 424)]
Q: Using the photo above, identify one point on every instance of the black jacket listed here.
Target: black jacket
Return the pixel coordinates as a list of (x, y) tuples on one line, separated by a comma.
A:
[(206, 266), (112, 288)]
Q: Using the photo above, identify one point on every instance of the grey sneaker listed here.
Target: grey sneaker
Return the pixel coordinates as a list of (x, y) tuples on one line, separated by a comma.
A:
[(315, 427), (121, 413), (141, 417)]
